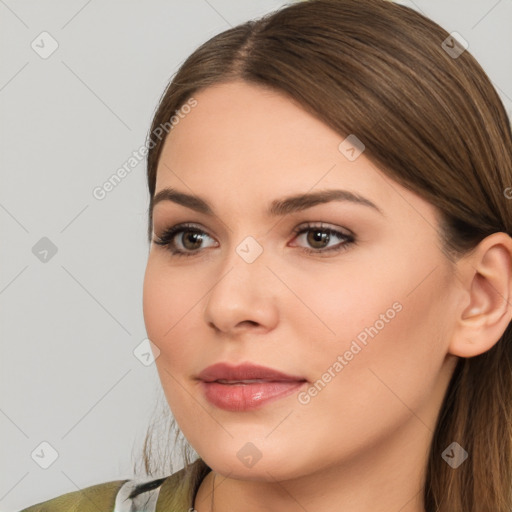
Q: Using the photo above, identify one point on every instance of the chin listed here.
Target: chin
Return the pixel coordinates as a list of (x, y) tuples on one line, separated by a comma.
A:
[(259, 460)]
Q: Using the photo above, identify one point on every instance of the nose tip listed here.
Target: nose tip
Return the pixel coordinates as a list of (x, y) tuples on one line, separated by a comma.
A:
[(242, 298)]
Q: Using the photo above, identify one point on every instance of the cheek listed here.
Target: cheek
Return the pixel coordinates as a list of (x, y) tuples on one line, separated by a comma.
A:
[(171, 305), (163, 307), (167, 297), (335, 304), (165, 302), (388, 317), (387, 350), (154, 303)]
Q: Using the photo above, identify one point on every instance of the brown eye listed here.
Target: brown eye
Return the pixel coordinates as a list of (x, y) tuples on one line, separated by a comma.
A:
[(191, 240), (318, 238), (183, 240)]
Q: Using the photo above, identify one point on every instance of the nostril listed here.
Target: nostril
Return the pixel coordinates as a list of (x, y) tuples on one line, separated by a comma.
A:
[(250, 322)]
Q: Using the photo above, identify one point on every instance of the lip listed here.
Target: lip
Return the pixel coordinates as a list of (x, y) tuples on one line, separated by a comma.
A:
[(231, 394), (245, 371)]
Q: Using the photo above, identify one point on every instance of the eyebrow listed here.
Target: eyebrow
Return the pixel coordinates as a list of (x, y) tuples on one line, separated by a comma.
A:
[(278, 207)]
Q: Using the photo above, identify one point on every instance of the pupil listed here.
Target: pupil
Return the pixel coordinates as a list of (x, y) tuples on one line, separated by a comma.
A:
[(195, 237), (318, 236)]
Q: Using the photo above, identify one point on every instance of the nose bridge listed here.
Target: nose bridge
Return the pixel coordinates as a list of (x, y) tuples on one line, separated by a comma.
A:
[(242, 292), (244, 257)]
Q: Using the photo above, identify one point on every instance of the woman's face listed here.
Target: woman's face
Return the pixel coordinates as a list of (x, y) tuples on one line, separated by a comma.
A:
[(361, 323)]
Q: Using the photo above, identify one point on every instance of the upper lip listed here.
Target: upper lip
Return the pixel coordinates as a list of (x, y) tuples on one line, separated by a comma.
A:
[(245, 371)]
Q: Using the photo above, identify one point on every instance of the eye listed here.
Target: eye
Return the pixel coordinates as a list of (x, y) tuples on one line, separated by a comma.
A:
[(190, 239), (319, 237), (187, 239)]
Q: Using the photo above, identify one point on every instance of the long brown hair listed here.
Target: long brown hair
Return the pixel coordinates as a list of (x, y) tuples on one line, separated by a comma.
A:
[(430, 120)]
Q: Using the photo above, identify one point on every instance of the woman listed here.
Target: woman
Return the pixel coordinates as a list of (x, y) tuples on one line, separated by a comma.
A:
[(329, 280)]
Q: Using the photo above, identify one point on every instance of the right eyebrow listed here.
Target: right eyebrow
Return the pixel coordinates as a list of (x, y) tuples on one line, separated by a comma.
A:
[(190, 201)]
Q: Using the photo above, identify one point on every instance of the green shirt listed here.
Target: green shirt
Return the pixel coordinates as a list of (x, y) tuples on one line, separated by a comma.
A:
[(174, 493)]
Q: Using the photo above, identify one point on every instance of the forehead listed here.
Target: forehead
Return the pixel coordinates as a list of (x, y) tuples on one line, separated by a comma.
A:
[(246, 121), (255, 144), (238, 131)]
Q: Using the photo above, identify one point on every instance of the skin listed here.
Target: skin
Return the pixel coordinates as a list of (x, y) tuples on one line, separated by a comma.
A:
[(361, 443)]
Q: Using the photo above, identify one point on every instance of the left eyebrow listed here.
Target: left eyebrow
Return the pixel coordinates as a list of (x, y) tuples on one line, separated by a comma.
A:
[(303, 201), (278, 207)]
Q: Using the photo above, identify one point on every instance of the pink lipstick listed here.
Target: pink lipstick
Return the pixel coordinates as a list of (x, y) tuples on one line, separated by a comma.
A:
[(247, 386)]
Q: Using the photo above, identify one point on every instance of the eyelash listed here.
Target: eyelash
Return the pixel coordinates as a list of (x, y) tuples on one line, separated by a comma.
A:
[(166, 239)]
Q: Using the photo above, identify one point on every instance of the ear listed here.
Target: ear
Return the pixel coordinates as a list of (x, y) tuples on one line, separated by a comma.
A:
[(486, 300)]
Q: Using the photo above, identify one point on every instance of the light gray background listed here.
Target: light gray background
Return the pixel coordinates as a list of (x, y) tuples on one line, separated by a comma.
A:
[(69, 326)]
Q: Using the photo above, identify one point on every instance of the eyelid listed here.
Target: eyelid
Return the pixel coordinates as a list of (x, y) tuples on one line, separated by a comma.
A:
[(323, 225), (173, 229)]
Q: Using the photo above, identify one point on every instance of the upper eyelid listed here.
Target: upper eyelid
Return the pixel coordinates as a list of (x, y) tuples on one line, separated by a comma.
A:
[(297, 231), (323, 225), (319, 224), (182, 226)]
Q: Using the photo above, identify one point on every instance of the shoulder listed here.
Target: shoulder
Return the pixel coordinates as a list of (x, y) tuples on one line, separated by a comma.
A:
[(144, 495), (96, 497)]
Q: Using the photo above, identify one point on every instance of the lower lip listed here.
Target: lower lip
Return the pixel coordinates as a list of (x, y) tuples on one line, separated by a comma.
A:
[(246, 397)]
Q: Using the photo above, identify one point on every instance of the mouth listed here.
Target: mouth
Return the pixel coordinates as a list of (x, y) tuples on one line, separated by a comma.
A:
[(247, 386)]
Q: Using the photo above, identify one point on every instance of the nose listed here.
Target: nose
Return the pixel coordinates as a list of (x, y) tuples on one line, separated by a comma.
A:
[(242, 297)]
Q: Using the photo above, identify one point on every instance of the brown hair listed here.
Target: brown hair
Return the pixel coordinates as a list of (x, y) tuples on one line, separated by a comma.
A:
[(431, 121)]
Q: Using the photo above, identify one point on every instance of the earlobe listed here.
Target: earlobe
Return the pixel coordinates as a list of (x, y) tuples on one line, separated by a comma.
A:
[(486, 275)]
